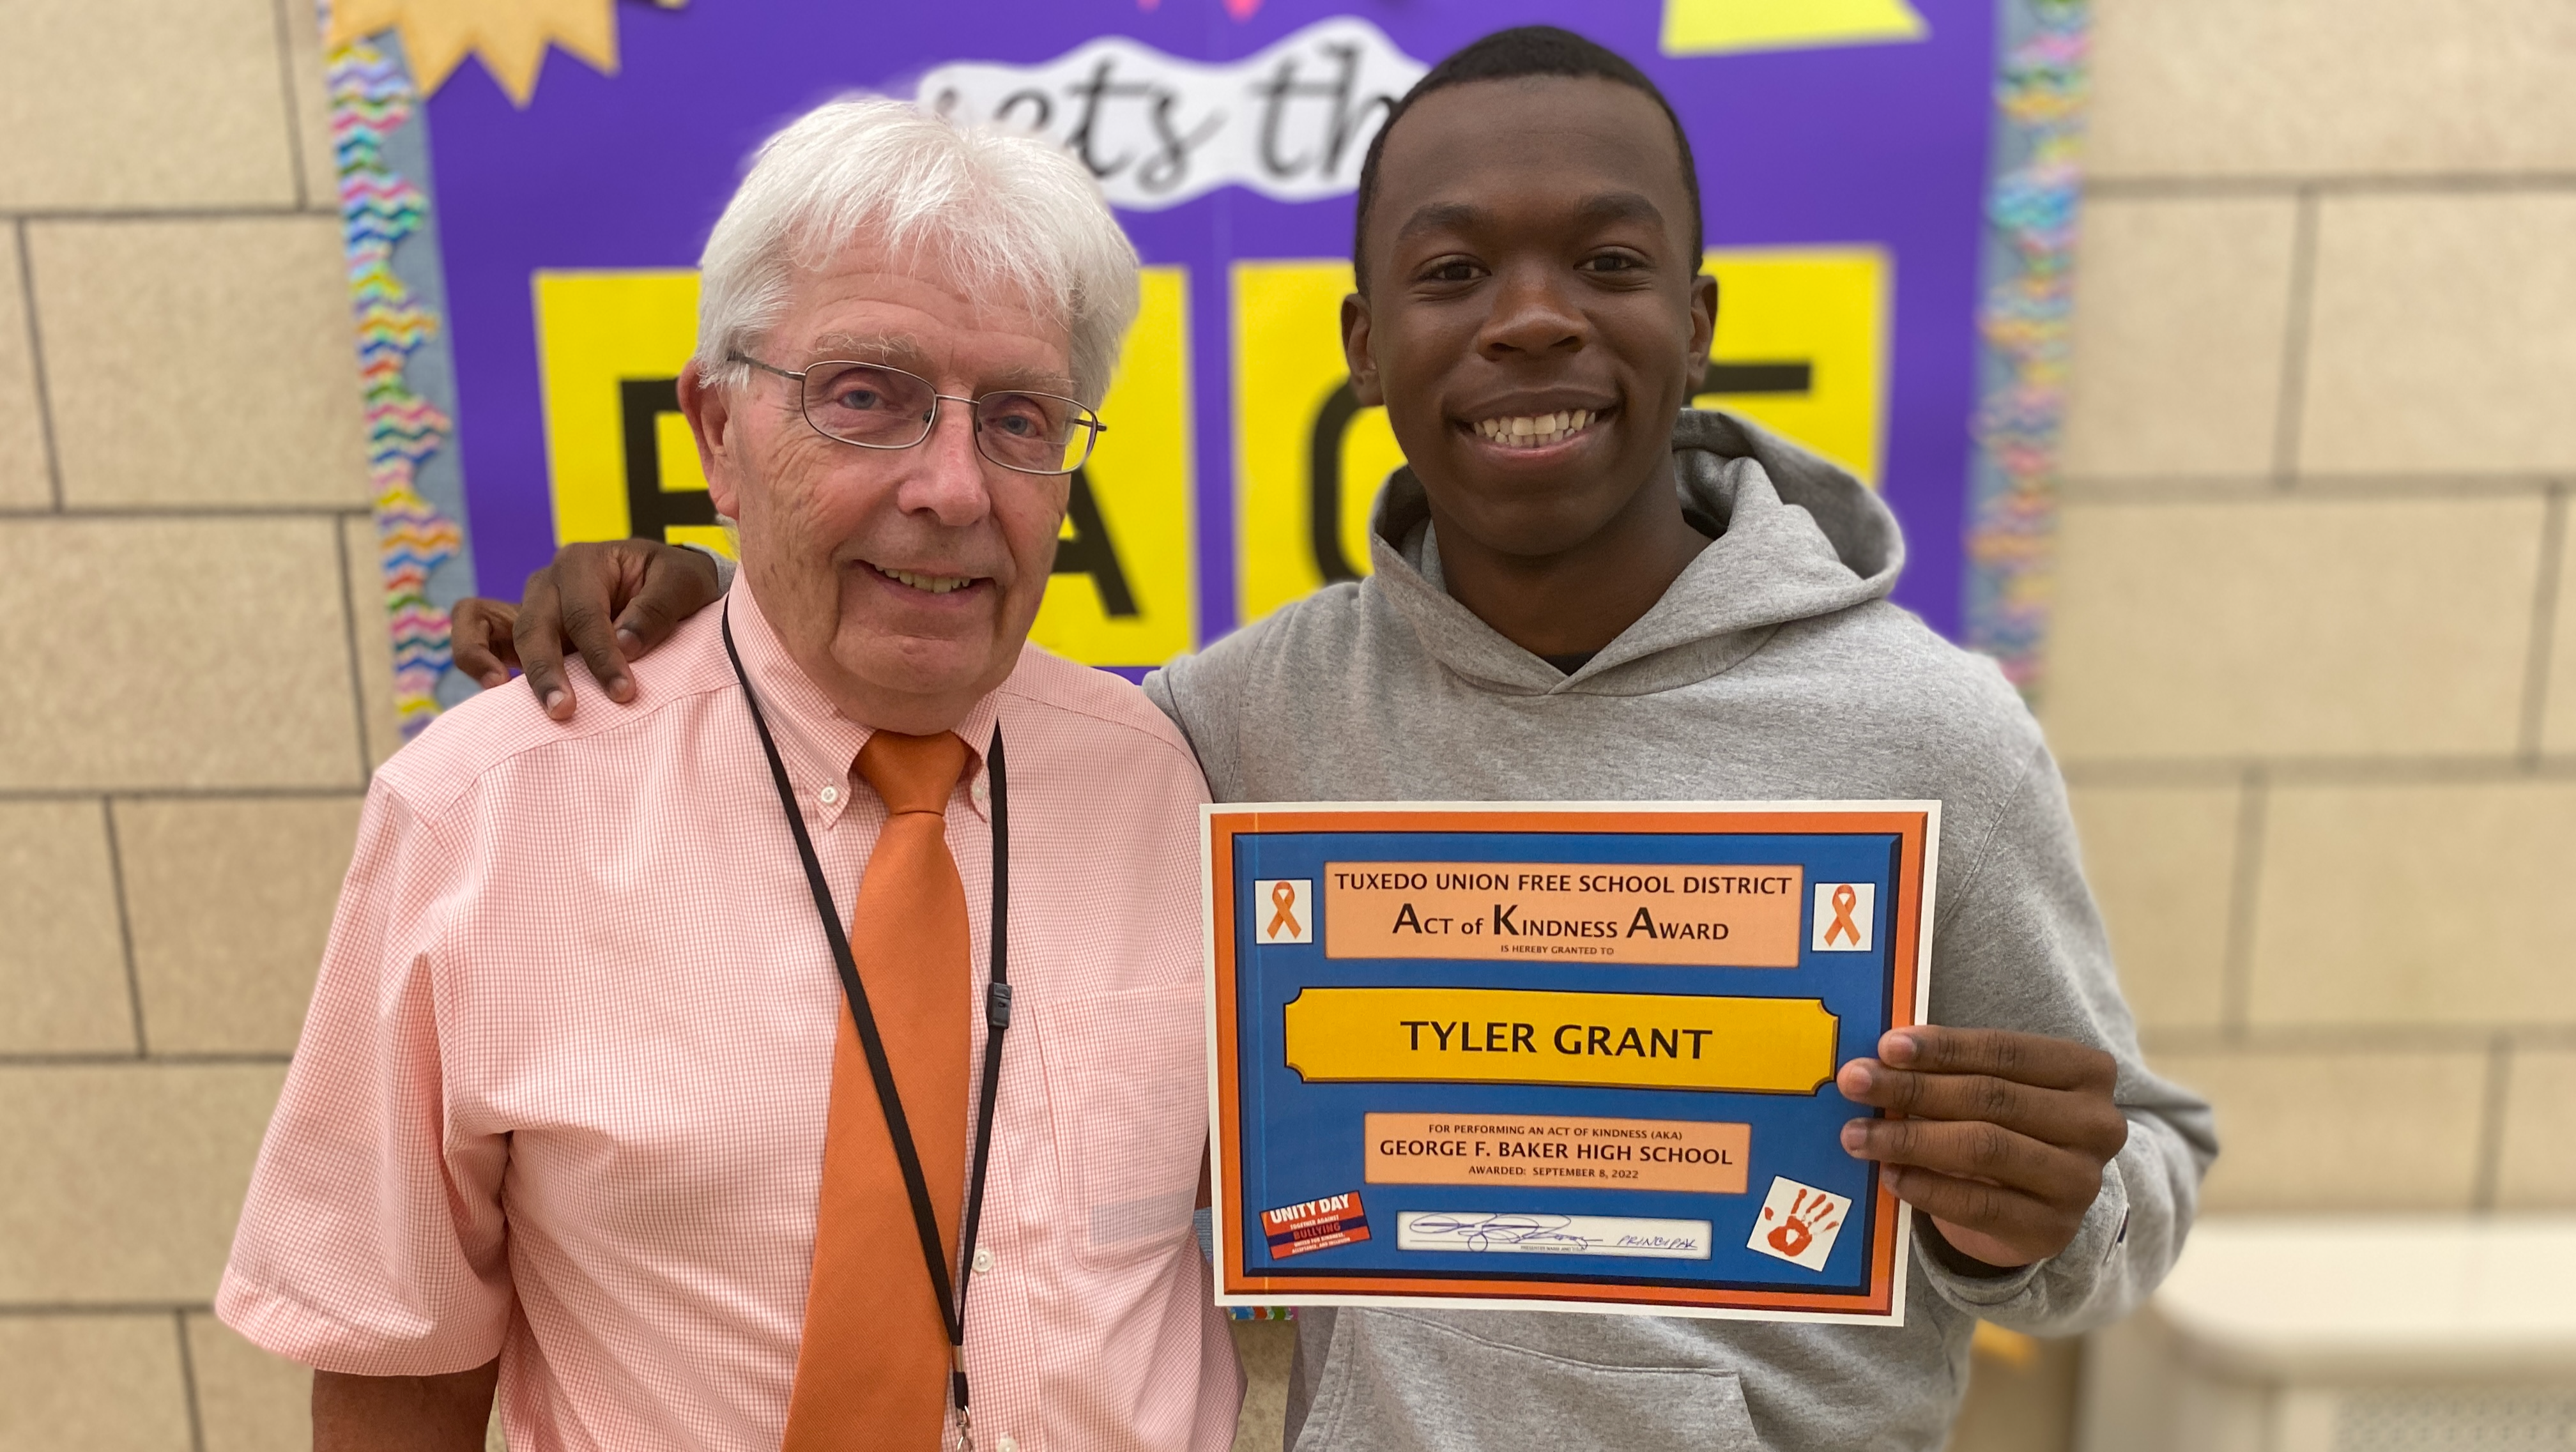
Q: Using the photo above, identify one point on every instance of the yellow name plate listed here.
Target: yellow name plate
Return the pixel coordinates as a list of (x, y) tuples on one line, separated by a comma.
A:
[(1523, 1036)]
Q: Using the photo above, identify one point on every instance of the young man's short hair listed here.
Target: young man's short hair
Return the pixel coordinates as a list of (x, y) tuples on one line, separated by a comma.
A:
[(1505, 55)]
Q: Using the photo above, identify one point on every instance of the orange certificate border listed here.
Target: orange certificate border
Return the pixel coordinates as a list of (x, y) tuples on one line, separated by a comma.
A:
[(1915, 824)]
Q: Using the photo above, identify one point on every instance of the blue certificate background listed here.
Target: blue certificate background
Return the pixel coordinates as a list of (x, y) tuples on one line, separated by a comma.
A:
[(1304, 1141)]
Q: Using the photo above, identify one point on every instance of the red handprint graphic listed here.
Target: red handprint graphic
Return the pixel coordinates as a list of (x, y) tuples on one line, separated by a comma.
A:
[(1798, 1228)]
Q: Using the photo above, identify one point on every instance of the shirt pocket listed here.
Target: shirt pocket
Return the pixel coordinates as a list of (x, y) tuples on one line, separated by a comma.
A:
[(1399, 1383), (1126, 1077)]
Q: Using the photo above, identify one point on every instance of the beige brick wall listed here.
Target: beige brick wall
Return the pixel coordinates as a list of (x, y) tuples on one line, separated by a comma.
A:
[(2313, 666), (2313, 674), (192, 643)]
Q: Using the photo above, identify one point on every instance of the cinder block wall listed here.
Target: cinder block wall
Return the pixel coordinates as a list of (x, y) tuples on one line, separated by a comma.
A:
[(194, 683), (2313, 664), (2308, 628)]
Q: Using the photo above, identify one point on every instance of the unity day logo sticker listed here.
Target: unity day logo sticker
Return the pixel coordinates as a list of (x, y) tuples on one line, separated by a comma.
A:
[(1291, 122)]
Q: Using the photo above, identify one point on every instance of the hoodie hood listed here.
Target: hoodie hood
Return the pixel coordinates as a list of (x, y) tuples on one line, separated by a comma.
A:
[(1800, 537)]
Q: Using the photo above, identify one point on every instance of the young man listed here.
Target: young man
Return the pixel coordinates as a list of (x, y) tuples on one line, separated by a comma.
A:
[(1577, 598)]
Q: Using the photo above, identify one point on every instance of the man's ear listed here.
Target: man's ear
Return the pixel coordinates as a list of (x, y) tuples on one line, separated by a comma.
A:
[(1355, 352), (709, 409), (1703, 334)]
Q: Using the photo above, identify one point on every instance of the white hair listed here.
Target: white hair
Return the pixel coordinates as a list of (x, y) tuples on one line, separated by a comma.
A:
[(996, 213)]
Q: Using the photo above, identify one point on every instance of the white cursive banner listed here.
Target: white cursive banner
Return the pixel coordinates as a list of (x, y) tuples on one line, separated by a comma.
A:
[(1293, 121)]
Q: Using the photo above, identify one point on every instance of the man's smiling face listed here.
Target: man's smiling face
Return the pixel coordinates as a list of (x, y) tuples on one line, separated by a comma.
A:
[(903, 581), (1534, 318)]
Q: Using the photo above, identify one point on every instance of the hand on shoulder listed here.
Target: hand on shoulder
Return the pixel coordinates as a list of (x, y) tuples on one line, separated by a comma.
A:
[(612, 601)]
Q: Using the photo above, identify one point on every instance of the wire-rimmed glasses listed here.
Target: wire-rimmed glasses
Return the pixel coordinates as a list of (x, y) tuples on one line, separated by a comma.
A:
[(877, 407)]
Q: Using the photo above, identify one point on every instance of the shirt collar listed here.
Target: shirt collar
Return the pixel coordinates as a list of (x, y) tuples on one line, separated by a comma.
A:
[(819, 744)]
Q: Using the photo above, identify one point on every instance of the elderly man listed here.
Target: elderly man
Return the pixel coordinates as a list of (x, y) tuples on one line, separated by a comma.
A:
[(598, 1100)]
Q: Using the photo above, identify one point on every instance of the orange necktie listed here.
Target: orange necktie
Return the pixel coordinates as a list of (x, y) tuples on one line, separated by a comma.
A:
[(872, 1371)]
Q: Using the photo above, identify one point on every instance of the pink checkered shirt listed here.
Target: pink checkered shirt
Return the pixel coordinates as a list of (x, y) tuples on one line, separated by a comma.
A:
[(561, 1093)]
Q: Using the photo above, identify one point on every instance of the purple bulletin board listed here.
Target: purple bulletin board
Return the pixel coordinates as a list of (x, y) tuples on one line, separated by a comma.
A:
[(1888, 193)]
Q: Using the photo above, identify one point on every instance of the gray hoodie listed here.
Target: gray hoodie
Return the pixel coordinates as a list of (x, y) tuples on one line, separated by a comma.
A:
[(1773, 668)]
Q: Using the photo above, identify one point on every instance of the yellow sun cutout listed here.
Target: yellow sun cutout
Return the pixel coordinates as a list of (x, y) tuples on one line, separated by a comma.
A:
[(510, 35)]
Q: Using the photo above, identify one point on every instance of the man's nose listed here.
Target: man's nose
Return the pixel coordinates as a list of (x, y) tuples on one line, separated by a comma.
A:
[(948, 477), (1531, 314)]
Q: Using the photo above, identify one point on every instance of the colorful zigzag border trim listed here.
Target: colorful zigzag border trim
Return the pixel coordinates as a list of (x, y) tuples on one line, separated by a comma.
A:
[(2031, 207), (371, 95)]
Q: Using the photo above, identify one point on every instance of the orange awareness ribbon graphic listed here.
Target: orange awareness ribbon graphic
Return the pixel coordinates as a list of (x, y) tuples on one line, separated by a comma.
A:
[(1283, 897), (1844, 901)]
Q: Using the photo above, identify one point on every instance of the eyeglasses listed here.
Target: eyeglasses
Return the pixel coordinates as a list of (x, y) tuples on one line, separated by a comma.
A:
[(876, 407)]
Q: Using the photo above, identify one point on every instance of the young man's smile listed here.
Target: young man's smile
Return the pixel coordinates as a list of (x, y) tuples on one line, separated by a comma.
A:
[(1535, 435)]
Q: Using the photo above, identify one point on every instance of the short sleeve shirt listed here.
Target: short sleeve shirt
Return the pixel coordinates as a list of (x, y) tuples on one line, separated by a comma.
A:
[(561, 1094)]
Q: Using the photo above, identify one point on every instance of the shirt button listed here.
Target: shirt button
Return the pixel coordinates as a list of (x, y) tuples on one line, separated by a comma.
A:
[(983, 1261), (1008, 1443), (981, 791), (830, 795)]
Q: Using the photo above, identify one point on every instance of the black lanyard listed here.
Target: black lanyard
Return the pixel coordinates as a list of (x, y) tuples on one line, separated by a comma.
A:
[(997, 1017)]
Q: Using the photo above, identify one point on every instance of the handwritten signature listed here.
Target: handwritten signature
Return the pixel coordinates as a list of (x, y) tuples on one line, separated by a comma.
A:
[(1551, 1233), (1477, 1232)]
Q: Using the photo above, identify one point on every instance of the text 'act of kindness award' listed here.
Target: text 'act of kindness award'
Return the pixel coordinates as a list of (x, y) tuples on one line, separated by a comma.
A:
[(1553, 1056), (1743, 917)]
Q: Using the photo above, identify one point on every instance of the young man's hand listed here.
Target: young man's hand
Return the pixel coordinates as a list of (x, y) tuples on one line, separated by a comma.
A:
[(612, 601), (2004, 1135)]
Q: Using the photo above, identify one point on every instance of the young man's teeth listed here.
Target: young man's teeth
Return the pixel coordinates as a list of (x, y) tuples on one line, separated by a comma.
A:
[(935, 584), (1531, 431)]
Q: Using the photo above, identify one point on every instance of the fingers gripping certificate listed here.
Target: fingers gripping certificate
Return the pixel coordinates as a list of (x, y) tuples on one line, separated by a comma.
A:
[(1559, 1057)]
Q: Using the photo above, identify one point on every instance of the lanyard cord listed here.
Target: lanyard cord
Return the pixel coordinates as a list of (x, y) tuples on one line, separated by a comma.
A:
[(997, 1017)]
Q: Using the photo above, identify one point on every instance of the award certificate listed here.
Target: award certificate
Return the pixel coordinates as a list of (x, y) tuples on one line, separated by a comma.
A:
[(1552, 1056)]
